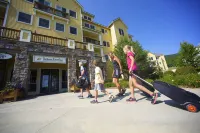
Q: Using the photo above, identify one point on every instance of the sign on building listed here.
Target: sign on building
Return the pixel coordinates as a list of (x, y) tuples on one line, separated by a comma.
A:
[(49, 59), (4, 56)]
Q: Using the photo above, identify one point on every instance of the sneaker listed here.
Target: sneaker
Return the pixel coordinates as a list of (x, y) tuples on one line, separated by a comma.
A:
[(123, 91), (131, 99), (94, 101), (80, 96), (90, 96), (154, 98), (111, 98)]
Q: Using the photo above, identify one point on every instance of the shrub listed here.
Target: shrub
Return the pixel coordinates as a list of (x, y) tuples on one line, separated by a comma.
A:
[(124, 83), (169, 73), (185, 70), (149, 80), (109, 84)]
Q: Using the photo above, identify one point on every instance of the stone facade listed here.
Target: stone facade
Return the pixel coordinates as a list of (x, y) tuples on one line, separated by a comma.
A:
[(25, 50)]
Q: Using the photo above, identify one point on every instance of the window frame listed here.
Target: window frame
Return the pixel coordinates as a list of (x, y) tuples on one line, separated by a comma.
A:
[(44, 27), (70, 30), (59, 23), (121, 32), (17, 18), (73, 16), (93, 26)]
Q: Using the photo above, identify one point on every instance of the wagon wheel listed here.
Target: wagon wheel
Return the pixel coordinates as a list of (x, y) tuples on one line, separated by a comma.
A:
[(191, 108)]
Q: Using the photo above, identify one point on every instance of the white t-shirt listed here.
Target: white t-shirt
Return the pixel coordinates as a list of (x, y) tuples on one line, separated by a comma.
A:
[(98, 76)]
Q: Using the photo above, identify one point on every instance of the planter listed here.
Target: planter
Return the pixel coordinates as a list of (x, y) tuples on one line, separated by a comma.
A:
[(11, 95), (74, 88)]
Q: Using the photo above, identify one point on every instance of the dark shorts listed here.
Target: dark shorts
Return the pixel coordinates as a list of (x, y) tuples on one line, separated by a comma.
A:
[(116, 73)]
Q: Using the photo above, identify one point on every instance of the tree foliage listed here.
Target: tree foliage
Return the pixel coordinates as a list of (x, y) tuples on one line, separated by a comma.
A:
[(143, 64), (188, 55)]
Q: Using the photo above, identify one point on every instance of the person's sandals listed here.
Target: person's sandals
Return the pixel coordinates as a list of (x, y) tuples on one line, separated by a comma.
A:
[(111, 98), (154, 98), (131, 99), (94, 102)]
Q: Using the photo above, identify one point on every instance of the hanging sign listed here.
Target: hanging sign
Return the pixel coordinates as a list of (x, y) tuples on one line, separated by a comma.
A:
[(4, 56), (49, 59)]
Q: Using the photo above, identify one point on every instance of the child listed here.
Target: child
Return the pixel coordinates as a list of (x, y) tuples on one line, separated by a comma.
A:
[(117, 73), (132, 80), (99, 83)]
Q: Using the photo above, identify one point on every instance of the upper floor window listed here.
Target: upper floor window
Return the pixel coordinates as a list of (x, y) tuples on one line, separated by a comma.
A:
[(121, 32), (24, 17), (87, 18), (45, 2), (87, 25), (106, 44), (44, 23), (73, 30), (103, 31), (30, 1), (73, 14), (92, 26), (61, 8), (60, 27)]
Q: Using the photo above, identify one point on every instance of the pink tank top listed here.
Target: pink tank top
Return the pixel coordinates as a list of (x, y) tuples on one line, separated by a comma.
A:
[(128, 60)]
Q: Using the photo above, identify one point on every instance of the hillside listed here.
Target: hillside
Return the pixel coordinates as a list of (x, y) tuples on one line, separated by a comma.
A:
[(171, 60)]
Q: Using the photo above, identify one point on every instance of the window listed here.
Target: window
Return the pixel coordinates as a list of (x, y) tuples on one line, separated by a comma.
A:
[(44, 23), (61, 8), (25, 18), (89, 19), (106, 56), (44, 2), (121, 32), (103, 31), (73, 30), (60, 27), (33, 80), (72, 13), (108, 44), (30, 1), (64, 78), (87, 25), (85, 17), (92, 27), (104, 43)]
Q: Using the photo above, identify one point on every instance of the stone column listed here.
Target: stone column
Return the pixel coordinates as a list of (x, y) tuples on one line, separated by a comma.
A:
[(21, 68), (91, 70), (71, 71)]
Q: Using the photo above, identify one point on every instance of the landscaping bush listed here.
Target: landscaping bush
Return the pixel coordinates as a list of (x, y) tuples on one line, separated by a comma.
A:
[(109, 84), (123, 83), (169, 73), (185, 70), (189, 80), (149, 80)]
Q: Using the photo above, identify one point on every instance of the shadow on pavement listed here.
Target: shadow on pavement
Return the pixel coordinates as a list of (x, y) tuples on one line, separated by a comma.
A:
[(174, 104)]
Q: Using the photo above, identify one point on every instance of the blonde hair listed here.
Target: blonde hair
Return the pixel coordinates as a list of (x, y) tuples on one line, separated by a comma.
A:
[(110, 54), (127, 47)]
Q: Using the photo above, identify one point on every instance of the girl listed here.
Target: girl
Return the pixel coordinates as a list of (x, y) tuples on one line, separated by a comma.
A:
[(117, 73), (132, 67)]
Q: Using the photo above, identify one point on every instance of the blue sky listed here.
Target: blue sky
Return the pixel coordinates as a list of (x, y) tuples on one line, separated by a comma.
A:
[(159, 25)]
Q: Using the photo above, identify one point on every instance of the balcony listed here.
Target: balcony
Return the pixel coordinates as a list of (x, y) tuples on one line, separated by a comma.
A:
[(14, 35), (89, 40), (50, 10)]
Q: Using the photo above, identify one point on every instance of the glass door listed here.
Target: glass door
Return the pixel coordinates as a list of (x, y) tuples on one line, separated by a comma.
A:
[(49, 81)]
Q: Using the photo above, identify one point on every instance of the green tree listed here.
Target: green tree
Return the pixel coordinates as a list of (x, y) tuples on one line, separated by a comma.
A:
[(143, 64), (188, 55)]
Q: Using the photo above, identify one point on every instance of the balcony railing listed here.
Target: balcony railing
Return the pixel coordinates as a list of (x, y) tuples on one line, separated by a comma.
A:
[(89, 40), (48, 9), (39, 38), (9, 33)]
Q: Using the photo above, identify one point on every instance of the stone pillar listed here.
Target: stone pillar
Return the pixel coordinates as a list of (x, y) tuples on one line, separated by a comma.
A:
[(91, 70), (71, 72), (21, 68)]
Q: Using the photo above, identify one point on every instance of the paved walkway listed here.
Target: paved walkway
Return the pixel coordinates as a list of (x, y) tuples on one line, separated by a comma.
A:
[(65, 113)]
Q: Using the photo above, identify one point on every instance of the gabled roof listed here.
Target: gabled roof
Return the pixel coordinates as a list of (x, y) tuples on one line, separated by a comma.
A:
[(78, 4), (88, 13), (117, 20)]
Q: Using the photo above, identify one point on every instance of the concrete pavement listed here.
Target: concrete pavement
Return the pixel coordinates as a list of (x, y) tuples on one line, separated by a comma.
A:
[(65, 113)]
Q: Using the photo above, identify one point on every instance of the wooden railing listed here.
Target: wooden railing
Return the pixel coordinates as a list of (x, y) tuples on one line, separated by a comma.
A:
[(48, 9), (9, 33), (89, 40), (39, 38)]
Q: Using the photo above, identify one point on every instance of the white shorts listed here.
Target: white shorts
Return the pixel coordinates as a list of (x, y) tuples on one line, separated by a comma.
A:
[(99, 87)]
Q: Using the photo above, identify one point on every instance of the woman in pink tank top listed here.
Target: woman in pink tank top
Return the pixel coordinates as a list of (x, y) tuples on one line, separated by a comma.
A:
[(132, 67)]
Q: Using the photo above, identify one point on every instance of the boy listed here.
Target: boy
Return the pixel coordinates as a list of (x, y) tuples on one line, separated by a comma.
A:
[(99, 83)]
